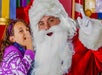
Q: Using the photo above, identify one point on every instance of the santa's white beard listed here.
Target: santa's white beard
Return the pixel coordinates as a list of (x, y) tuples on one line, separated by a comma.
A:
[(53, 54)]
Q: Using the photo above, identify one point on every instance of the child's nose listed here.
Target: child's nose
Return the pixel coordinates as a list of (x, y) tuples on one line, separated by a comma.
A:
[(27, 32)]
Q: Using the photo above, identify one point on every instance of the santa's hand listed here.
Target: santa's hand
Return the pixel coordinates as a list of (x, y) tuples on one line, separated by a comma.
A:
[(82, 13), (84, 21)]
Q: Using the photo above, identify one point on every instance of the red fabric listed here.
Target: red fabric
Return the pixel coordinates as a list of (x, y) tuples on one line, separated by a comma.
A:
[(26, 10), (67, 4), (79, 1), (85, 61), (94, 15), (2, 29), (22, 12), (77, 14)]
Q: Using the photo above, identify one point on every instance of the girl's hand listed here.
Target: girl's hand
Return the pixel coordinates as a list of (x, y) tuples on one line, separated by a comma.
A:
[(28, 41)]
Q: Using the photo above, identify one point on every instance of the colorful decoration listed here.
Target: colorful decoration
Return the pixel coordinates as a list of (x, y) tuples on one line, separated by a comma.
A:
[(88, 12), (18, 3), (8, 9), (99, 8), (5, 8), (4, 21), (90, 5), (4, 16), (3, 24), (22, 3), (24, 14), (92, 8), (12, 9), (0, 7)]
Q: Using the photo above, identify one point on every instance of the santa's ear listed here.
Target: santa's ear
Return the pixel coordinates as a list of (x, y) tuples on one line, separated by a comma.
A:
[(12, 39)]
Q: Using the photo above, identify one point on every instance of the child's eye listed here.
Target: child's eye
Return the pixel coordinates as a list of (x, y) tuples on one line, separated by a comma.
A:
[(21, 31), (27, 29)]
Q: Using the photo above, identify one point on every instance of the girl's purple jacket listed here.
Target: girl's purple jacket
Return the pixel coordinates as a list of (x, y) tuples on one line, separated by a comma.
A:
[(14, 63)]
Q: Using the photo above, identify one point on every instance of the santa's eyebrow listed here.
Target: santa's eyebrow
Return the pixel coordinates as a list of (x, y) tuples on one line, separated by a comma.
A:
[(40, 22), (51, 17)]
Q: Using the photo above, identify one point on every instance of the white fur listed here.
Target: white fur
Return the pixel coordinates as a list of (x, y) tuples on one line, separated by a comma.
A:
[(91, 34), (52, 52)]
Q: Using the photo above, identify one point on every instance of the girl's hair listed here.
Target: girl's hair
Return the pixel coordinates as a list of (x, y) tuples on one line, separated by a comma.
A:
[(9, 32)]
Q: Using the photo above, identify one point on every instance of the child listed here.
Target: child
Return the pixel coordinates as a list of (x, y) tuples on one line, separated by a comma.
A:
[(16, 53)]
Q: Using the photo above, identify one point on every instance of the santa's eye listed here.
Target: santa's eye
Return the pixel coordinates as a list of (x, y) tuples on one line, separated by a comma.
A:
[(40, 23), (52, 19)]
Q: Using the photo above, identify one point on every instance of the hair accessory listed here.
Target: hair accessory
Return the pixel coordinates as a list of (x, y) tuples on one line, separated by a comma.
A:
[(11, 26)]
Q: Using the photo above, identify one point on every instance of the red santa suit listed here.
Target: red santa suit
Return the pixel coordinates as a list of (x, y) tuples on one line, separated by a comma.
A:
[(87, 59)]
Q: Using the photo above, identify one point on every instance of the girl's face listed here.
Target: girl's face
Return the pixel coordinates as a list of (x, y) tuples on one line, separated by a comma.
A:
[(20, 33), (47, 21)]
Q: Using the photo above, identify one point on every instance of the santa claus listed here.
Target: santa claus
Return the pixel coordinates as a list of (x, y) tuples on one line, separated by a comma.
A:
[(53, 34), (87, 44), (52, 31)]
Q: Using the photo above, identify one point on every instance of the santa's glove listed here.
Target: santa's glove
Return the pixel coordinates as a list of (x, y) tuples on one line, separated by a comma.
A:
[(85, 24), (84, 21)]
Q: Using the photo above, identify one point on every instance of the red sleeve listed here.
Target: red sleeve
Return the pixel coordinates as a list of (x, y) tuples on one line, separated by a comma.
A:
[(85, 61)]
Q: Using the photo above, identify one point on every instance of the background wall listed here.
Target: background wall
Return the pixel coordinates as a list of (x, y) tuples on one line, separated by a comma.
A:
[(68, 6)]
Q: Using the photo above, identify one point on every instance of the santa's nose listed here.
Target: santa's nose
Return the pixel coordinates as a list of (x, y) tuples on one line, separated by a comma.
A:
[(47, 26)]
